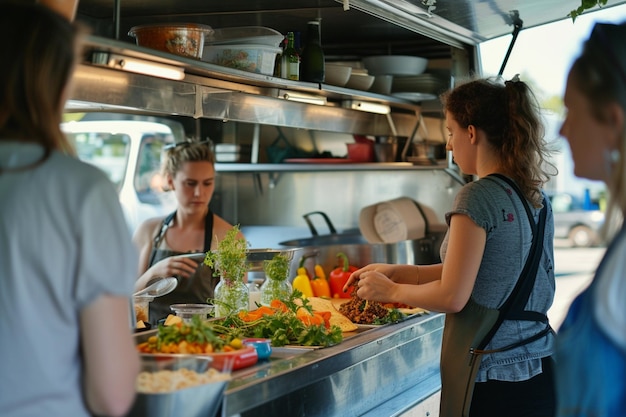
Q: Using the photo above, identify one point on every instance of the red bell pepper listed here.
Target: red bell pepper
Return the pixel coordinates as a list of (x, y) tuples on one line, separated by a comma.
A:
[(339, 276)]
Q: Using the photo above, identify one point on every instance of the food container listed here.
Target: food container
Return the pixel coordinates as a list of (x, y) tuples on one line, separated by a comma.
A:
[(188, 400), (184, 39), (247, 35), (251, 58), (263, 346), (360, 152), (187, 311), (385, 152), (395, 65), (142, 308)]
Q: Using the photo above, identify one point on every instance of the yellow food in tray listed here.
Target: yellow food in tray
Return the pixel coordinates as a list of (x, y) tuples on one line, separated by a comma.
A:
[(336, 318)]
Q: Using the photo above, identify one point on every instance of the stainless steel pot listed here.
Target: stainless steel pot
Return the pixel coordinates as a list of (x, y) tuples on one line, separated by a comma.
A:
[(323, 249)]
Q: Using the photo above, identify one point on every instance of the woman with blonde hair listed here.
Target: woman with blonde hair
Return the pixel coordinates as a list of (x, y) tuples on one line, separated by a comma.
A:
[(165, 243)]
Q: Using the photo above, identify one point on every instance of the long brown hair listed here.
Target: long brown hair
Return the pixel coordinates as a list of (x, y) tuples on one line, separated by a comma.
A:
[(510, 116), (38, 57)]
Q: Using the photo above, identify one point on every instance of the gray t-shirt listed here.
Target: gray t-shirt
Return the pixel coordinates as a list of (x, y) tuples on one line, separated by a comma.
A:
[(63, 243), (494, 206)]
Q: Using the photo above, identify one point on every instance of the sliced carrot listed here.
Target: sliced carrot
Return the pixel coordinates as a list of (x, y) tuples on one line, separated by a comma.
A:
[(279, 305)]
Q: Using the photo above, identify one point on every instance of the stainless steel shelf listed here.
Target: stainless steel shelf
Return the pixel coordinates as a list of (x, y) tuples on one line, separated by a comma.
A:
[(285, 167)]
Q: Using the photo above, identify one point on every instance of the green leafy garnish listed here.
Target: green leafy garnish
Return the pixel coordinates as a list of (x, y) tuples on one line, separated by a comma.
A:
[(229, 259), (276, 268)]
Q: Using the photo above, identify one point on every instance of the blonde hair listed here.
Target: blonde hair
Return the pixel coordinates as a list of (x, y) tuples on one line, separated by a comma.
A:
[(174, 156), (509, 115)]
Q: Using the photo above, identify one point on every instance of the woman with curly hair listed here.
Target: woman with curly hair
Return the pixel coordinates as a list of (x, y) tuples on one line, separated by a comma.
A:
[(497, 342)]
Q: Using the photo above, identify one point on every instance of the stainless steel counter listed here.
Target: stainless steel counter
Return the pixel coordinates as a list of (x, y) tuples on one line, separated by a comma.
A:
[(390, 368)]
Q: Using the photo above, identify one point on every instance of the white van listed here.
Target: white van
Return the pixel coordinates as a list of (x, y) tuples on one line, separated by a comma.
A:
[(129, 151)]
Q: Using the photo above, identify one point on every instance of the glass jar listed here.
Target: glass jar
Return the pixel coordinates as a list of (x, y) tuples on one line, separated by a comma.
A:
[(230, 297), (275, 289)]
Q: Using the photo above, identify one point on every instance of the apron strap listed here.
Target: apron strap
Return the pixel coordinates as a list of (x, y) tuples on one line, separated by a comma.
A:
[(167, 221), (517, 300)]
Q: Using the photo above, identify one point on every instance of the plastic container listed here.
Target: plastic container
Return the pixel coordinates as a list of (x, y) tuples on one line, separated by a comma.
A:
[(360, 152), (184, 39), (247, 35), (142, 308), (251, 58), (187, 311), (263, 346)]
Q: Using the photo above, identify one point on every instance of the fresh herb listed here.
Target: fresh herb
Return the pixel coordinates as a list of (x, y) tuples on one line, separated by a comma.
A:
[(394, 316), (229, 259), (283, 327), (276, 268)]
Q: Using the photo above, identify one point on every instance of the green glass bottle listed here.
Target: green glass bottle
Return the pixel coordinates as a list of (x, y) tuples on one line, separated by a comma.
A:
[(290, 65), (312, 63)]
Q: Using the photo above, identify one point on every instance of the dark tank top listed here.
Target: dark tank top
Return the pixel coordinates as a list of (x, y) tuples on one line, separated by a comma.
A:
[(198, 288)]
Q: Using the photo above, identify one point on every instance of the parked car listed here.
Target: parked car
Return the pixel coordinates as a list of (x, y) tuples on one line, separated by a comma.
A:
[(574, 223), (129, 152)]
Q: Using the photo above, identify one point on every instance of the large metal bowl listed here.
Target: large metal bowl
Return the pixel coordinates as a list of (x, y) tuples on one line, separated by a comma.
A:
[(198, 401)]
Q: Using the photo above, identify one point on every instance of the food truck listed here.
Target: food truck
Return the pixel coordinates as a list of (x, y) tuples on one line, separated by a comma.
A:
[(289, 172)]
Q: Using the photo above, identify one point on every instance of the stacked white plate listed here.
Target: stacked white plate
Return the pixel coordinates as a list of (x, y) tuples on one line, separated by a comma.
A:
[(423, 83)]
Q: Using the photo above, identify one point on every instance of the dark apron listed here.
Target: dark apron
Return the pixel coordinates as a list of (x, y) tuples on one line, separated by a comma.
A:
[(467, 333), (197, 289)]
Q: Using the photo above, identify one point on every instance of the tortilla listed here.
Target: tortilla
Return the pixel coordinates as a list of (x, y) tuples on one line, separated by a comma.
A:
[(336, 318)]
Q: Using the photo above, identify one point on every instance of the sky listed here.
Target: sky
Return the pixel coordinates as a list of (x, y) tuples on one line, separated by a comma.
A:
[(545, 53)]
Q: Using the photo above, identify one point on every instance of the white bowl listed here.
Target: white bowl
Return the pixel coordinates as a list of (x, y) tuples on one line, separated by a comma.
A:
[(382, 84), (395, 65), (337, 74), (361, 82)]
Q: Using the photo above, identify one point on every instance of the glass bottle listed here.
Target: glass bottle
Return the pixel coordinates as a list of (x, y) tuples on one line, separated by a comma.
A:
[(231, 296), (312, 63), (290, 65), (278, 61)]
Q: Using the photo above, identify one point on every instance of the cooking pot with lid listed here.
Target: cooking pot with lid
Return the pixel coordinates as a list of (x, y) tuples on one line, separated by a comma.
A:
[(324, 248)]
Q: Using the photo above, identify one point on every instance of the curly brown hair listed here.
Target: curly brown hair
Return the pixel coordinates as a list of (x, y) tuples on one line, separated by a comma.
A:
[(510, 116)]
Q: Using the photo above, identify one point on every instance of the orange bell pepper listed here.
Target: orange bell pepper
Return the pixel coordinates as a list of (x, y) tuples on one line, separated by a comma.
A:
[(319, 284)]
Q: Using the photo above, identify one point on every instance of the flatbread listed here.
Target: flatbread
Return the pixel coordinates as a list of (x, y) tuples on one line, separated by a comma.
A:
[(336, 318)]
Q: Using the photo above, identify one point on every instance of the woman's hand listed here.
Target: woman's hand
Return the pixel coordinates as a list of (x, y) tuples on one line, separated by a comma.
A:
[(374, 285), (373, 282), (180, 266)]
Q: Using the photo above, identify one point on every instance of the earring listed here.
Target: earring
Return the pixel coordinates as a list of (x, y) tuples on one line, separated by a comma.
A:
[(610, 159)]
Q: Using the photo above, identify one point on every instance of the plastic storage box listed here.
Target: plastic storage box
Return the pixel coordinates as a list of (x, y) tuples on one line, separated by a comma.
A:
[(246, 35), (252, 58)]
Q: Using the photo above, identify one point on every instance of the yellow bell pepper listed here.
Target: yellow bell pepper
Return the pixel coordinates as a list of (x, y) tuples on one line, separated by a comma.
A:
[(302, 283)]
